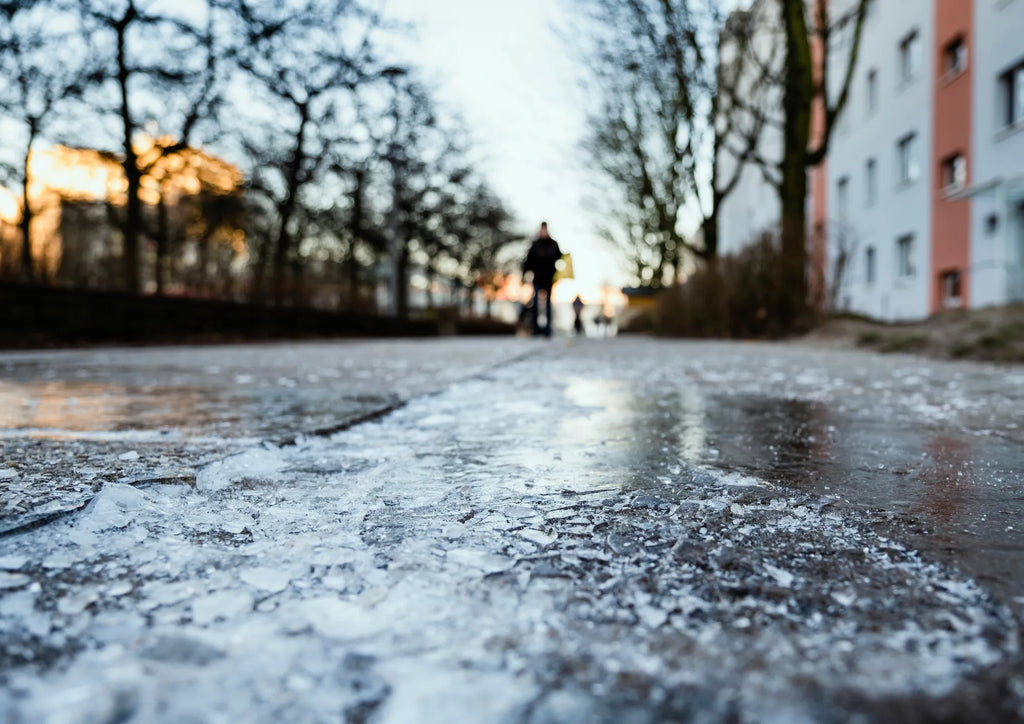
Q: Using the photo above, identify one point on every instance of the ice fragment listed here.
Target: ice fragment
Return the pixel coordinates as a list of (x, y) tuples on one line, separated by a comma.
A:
[(10, 581), (266, 579), (783, 578), (220, 605), (255, 463)]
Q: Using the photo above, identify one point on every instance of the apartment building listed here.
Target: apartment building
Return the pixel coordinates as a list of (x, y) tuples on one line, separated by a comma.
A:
[(751, 56), (921, 200), (879, 216), (926, 171), (995, 183)]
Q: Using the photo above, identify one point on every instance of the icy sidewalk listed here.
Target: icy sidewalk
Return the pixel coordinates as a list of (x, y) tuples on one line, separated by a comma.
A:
[(486, 553), (73, 420)]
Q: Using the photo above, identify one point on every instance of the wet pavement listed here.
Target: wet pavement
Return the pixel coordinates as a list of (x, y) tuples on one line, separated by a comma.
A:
[(509, 530)]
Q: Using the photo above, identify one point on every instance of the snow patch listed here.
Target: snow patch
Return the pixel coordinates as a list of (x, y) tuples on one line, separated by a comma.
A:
[(258, 463), (115, 506)]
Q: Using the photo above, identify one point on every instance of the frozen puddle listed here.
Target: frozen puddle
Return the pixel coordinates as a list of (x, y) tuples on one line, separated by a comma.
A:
[(460, 561)]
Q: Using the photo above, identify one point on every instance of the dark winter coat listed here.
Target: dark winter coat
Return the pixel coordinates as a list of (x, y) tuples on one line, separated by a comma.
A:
[(541, 261)]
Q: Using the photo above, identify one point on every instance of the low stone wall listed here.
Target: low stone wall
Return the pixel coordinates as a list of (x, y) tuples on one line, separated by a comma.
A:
[(34, 316)]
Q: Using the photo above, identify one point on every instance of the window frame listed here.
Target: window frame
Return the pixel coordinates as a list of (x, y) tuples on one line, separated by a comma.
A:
[(949, 170), (908, 57), (1011, 83), (871, 182), (957, 44), (843, 197), (951, 280), (906, 267), (872, 91), (908, 167)]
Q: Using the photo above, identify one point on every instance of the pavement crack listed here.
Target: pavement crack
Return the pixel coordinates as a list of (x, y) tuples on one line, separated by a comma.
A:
[(364, 417)]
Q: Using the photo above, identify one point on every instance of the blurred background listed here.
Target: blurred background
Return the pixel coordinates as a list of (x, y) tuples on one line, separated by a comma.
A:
[(741, 167)]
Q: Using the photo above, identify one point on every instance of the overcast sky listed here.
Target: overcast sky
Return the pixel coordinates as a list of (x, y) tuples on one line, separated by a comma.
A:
[(503, 66)]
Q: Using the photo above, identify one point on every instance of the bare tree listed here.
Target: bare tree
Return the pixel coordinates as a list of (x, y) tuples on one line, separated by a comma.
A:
[(363, 240), (748, 123), (41, 71), (491, 233), (659, 127), (781, 80), (200, 95), (809, 27), (428, 176), (160, 67), (845, 244), (669, 102), (301, 61)]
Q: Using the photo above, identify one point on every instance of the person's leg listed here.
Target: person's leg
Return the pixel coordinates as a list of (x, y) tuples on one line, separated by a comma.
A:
[(547, 307), (535, 311)]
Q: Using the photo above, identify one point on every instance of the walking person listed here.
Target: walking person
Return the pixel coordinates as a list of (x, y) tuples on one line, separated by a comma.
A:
[(540, 262), (577, 308)]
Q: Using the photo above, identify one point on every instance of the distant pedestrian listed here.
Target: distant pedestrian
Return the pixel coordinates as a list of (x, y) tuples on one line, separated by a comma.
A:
[(577, 308), (540, 262)]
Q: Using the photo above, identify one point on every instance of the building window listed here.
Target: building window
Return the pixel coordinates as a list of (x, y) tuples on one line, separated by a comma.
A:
[(949, 288), (954, 57), (872, 91), (870, 182), (1012, 83), (906, 151), (909, 51), (842, 196), (954, 172), (905, 267), (869, 265)]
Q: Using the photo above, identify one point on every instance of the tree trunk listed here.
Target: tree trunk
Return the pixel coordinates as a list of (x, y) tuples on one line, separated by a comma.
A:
[(26, 210), (133, 216), (259, 270), (798, 95), (131, 226), (402, 285), (162, 244), (203, 250), (353, 277), (431, 276), (355, 233), (283, 244), (793, 196), (711, 229)]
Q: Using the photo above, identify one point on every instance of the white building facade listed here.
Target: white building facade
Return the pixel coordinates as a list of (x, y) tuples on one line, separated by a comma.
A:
[(923, 187), (878, 174), (926, 172), (996, 191)]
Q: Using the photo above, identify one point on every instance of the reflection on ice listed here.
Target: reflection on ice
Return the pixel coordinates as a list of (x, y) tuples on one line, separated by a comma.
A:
[(625, 425), (90, 406)]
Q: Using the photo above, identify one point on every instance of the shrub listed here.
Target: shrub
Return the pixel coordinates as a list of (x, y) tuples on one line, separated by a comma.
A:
[(903, 343), (869, 338), (739, 296)]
